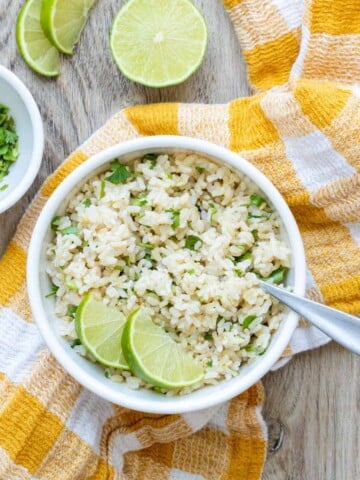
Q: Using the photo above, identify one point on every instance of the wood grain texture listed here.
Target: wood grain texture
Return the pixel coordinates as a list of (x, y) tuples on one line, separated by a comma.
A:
[(316, 399), (316, 396)]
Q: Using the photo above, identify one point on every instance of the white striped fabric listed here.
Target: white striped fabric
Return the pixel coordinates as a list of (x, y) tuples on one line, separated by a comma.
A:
[(354, 231), (87, 407), (292, 12), (316, 163), (20, 344)]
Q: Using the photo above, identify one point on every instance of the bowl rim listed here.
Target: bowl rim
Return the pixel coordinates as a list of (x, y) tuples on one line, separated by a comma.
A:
[(38, 133), (52, 339)]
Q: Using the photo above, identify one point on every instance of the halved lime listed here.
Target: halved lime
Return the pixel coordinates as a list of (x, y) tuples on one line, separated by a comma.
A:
[(158, 42), (63, 22), (100, 330), (155, 357), (34, 47)]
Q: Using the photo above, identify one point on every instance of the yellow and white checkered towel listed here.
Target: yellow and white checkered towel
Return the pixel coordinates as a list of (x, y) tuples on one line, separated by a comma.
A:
[(302, 129)]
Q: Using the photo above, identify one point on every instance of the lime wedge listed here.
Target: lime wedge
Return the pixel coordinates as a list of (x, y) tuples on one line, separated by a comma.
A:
[(34, 47), (63, 22), (155, 357), (100, 330), (158, 42)]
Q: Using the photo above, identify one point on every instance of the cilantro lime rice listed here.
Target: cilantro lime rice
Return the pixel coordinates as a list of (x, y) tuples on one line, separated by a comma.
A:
[(184, 239)]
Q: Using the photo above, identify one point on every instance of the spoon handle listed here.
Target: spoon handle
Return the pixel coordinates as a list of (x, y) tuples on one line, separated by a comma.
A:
[(340, 326)]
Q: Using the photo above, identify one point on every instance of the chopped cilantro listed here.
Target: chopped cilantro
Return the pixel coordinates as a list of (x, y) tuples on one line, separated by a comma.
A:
[(191, 271), (107, 374), (70, 230), (9, 151), (175, 218), (242, 249), (55, 223), (257, 200), (239, 272), (246, 256), (151, 157), (255, 349), (148, 257), (87, 203), (4, 187), (140, 201), (54, 289), (127, 261), (102, 189), (255, 234), (193, 242), (213, 211), (278, 276), (152, 292), (200, 169), (120, 173), (71, 286), (146, 246), (209, 363), (75, 343), (72, 312), (248, 320), (208, 336), (263, 215)]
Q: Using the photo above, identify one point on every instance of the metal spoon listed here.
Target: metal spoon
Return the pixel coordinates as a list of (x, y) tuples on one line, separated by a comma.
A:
[(340, 326)]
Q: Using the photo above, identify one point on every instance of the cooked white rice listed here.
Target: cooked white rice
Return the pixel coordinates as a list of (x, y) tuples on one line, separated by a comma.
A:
[(128, 250)]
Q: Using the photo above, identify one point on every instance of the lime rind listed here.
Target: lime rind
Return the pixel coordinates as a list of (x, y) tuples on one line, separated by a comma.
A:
[(46, 21), (48, 62), (100, 329), (143, 343), (71, 28), (168, 59)]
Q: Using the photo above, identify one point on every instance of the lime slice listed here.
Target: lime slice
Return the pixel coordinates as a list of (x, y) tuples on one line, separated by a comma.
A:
[(155, 357), (100, 330), (34, 47), (158, 42), (63, 22)]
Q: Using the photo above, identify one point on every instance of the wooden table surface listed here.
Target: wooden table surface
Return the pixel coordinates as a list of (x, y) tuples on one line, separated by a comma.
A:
[(315, 399)]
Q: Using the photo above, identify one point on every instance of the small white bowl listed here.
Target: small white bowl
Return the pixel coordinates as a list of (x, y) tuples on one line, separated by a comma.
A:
[(91, 375), (29, 127)]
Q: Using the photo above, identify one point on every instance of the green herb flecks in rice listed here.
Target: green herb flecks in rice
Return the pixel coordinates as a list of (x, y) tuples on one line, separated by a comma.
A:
[(199, 282)]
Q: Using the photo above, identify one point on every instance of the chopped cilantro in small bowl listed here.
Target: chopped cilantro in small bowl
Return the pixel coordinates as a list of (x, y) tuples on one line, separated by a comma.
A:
[(21, 139), (9, 144)]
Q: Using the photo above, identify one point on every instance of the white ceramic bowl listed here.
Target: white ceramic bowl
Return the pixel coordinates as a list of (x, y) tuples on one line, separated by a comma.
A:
[(29, 127), (92, 376)]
